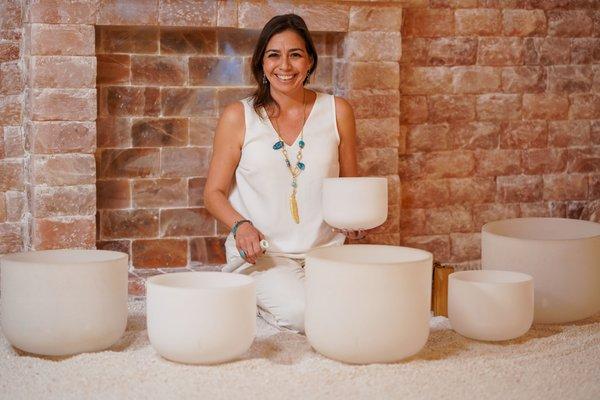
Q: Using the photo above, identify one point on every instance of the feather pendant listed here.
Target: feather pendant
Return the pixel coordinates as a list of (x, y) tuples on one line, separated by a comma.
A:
[(294, 208)]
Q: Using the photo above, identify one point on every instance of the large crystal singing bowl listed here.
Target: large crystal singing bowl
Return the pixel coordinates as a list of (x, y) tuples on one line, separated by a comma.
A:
[(490, 305), (63, 302), (355, 203), (562, 256), (368, 303), (201, 317)]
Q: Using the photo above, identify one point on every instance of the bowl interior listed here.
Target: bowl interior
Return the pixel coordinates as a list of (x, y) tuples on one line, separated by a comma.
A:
[(201, 280), (491, 276), (65, 256), (544, 228), (370, 254)]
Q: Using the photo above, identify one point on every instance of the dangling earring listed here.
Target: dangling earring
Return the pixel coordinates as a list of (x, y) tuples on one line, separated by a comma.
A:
[(307, 79), (265, 81)]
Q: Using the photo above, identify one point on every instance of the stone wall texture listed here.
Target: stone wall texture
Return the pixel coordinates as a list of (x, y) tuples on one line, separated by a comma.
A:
[(500, 112), (13, 159)]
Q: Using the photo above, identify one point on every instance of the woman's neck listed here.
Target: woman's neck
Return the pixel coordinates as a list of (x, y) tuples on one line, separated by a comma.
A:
[(290, 101)]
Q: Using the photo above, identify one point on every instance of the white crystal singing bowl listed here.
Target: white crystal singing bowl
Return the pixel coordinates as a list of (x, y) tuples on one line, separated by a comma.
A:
[(355, 203), (368, 303), (63, 302), (562, 256), (201, 317), (490, 305)]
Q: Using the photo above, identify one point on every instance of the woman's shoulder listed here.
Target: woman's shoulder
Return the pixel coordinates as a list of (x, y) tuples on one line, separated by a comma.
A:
[(343, 108), (233, 111)]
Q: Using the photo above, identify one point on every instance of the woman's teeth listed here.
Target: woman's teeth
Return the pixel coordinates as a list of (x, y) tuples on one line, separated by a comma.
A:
[(285, 77)]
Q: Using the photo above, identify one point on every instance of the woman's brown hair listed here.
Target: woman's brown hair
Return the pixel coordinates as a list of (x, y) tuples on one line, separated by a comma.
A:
[(287, 22)]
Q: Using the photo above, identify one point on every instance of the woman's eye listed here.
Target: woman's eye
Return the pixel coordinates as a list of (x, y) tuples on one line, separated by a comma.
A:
[(296, 55), (272, 55)]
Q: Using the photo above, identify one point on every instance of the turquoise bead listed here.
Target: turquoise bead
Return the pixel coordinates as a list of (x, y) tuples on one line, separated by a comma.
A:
[(301, 166), (278, 145), (301, 144)]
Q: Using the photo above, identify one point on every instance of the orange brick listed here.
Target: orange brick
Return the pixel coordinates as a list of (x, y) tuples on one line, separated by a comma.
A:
[(474, 135), (475, 79), (149, 193), (128, 12), (583, 159), (369, 75), (159, 253), (186, 222), (11, 175), (472, 190), (523, 79), (121, 224), (547, 51), (375, 103), (569, 23), (63, 170), (161, 71), (478, 22), (63, 200), (62, 137), (545, 106), (499, 106), (413, 109), (544, 161), (11, 79), (227, 13), (129, 163), (425, 193), (426, 80), (188, 13), (10, 110), (60, 12), (208, 250), (584, 105), (451, 108), (565, 187), (63, 233), (324, 17), (500, 51), (377, 162), (569, 79), (452, 51), (543, 209), (465, 247), (11, 238), (524, 22), (184, 161), (63, 104), (498, 162), (449, 164), (62, 72), (113, 193), (569, 133), (375, 18), (519, 188), (373, 46), (427, 137), (254, 14), (448, 219), (425, 22), (71, 40), (524, 134)]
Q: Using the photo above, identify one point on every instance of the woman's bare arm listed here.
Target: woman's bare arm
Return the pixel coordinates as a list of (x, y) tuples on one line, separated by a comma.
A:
[(227, 150), (347, 129)]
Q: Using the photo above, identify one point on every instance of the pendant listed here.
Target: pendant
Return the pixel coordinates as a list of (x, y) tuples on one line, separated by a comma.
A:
[(294, 208)]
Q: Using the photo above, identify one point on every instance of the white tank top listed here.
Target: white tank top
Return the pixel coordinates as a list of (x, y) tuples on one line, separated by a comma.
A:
[(262, 187)]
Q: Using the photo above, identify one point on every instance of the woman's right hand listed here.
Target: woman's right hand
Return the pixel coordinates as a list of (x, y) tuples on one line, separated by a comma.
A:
[(248, 239)]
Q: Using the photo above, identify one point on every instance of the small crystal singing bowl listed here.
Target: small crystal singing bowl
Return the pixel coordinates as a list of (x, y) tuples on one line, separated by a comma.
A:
[(490, 305), (355, 203), (201, 317)]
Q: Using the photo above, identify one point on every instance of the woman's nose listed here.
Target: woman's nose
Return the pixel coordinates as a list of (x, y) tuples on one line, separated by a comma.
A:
[(285, 62)]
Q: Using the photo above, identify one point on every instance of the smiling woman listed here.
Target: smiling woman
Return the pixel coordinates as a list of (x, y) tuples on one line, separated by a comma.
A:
[(271, 153)]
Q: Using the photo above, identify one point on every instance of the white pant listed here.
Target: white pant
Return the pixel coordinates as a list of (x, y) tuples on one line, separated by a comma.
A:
[(279, 286)]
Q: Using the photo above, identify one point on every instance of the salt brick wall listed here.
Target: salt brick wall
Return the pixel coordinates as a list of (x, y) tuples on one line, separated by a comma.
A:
[(500, 111), (13, 207)]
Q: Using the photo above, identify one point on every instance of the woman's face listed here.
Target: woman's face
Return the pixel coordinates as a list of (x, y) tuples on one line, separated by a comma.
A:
[(286, 61)]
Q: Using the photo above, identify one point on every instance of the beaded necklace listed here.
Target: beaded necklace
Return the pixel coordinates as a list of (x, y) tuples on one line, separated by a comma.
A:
[(296, 169)]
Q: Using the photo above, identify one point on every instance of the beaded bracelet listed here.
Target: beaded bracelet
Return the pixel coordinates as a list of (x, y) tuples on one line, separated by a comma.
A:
[(237, 224)]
